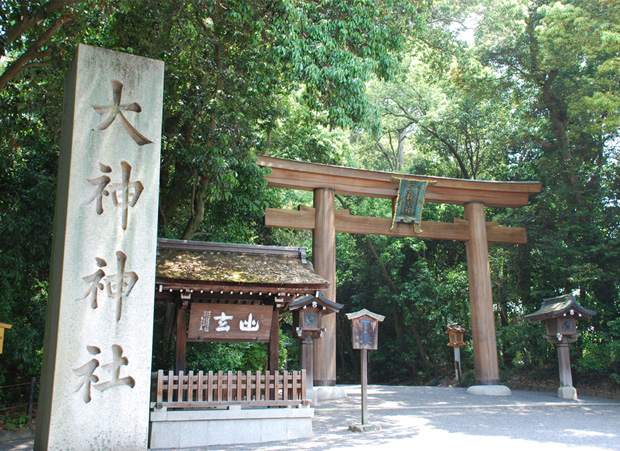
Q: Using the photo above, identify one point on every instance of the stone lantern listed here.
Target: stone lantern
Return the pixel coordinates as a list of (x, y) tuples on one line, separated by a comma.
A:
[(560, 315), (308, 312)]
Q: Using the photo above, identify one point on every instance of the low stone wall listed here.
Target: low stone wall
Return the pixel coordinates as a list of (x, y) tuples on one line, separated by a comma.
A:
[(194, 428)]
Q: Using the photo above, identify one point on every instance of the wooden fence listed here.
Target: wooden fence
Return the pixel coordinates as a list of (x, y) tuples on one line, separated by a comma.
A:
[(221, 389)]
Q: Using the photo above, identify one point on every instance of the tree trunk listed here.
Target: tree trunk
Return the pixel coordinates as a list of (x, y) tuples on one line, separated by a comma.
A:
[(34, 53), (198, 208), (171, 193)]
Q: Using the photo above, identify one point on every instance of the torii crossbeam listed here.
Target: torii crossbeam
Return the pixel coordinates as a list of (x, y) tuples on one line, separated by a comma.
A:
[(326, 181)]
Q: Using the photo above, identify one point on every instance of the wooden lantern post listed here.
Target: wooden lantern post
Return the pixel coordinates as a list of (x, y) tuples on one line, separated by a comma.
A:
[(309, 312), (3, 327), (365, 327), (560, 315), (456, 333)]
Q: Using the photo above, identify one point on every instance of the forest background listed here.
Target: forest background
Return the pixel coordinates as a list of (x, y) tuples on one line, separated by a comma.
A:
[(509, 90)]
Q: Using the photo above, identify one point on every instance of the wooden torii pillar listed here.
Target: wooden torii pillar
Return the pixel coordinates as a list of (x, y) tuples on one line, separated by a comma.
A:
[(324, 220)]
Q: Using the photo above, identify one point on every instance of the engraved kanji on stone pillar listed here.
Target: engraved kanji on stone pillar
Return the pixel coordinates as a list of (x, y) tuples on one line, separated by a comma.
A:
[(116, 110), (124, 195), (96, 373)]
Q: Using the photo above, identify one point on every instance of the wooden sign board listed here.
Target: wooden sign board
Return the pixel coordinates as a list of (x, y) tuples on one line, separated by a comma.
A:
[(365, 333), (229, 322)]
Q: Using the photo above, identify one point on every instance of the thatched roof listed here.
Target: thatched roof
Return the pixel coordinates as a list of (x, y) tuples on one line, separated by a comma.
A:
[(236, 264)]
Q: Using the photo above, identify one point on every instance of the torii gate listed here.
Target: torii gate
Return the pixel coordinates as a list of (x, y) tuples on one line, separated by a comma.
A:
[(324, 220)]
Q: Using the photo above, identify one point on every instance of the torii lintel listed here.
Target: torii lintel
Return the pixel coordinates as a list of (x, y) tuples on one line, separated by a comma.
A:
[(360, 182)]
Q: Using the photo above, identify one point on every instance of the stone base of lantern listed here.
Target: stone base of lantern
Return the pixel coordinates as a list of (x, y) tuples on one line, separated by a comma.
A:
[(489, 390), (567, 393)]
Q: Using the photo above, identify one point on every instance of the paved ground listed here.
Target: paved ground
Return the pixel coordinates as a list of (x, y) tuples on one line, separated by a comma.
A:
[(439, 418)]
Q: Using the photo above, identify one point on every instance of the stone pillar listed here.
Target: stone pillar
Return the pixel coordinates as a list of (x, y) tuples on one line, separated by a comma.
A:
[(96, 376), (324, 261), (481, 302)]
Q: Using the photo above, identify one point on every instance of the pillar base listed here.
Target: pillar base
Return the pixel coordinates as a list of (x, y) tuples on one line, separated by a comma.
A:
[(489, 390), (567, 393), (329, 392)]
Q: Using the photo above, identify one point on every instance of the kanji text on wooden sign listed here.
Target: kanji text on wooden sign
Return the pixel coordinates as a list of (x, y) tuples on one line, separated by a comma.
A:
[(229, 322)]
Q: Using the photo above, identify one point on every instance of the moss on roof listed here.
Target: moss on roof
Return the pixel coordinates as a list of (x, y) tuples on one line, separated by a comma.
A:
[(235, 267)]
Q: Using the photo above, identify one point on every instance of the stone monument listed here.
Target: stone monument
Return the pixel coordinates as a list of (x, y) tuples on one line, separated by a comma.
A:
[(96, 376)]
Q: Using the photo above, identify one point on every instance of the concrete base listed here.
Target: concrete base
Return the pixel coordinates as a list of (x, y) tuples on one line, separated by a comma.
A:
[(198, 428), (567, 393), (311, 395), (364, 427), (329, 392), (489, 390)]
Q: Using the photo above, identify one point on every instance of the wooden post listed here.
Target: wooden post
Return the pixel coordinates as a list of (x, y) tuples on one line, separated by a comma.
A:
[(33, 389), (307, 363), (481, 297), (457, 364), (324, 261), (566, 378), (274, 341), (365, 335), (181, 345), (364, 386)]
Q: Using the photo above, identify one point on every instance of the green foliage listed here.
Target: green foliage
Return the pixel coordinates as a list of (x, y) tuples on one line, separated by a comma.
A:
[(226, 356), (298, 135), (12, 423)]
